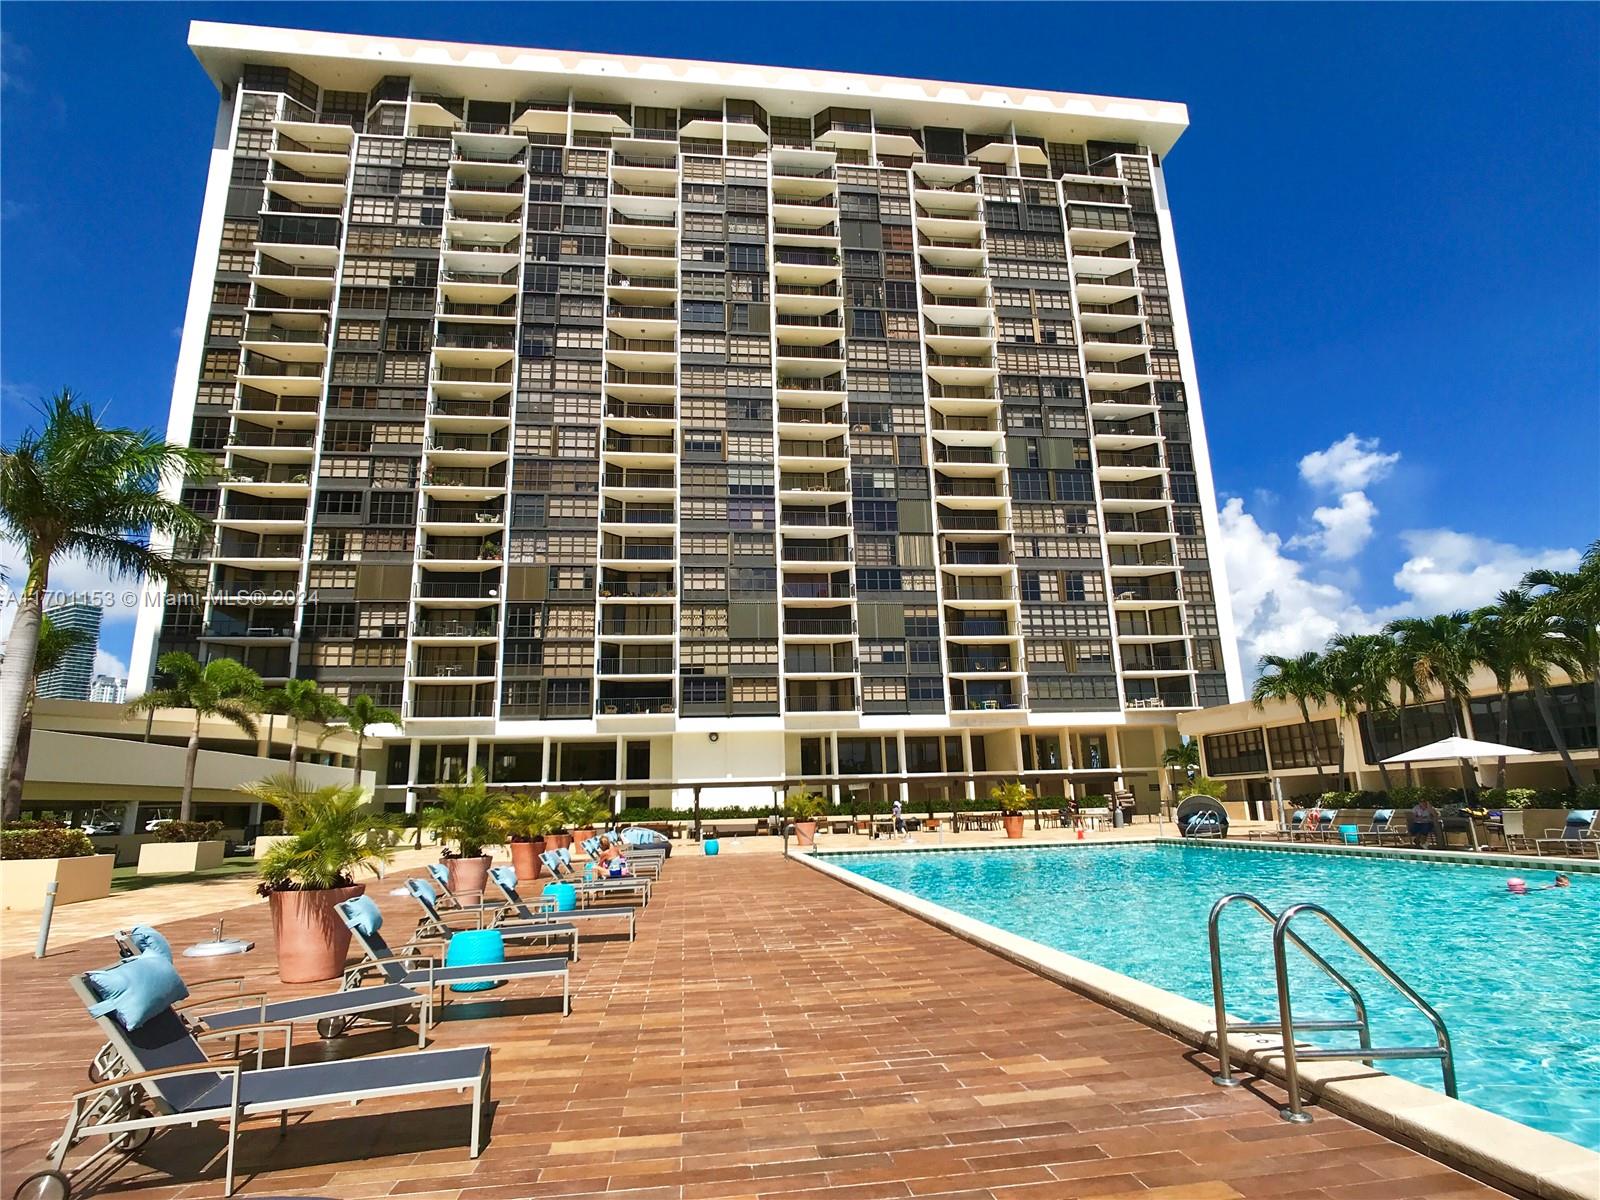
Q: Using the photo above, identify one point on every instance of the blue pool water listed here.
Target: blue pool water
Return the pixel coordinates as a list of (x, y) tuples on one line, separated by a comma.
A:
[(1516, 979)]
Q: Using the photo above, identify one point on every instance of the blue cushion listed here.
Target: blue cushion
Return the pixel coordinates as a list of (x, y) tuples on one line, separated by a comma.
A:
[(564, 894), (565, 854), (440, 872), (363, 915), (422, 890), (506, 877), (137, 989), (144, 938)]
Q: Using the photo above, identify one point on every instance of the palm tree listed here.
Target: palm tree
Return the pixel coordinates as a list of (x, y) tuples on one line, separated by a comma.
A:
[(77, 487), (1439, 652), (54, 642), (1184, 757), (361, 714), (301, 700), (1358, 668), (1300, 681), (1530, 642), (1573, 597), (221, 688)]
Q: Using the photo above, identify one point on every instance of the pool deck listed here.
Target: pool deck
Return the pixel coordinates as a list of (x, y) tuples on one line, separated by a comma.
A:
[(771, 1034)]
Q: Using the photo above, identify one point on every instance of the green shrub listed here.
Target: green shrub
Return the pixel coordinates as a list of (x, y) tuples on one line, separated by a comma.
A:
[(1509, 798), (1010, 798), (272, 828), (43, 839), (189, 831), (1410, 797)]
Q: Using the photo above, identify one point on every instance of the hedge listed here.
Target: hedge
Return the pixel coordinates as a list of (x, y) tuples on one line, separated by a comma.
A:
[(43, 839), (189, 831), (1587, 796)]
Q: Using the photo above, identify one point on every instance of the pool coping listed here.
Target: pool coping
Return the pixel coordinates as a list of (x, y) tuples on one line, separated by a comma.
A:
[(1461, 1135)]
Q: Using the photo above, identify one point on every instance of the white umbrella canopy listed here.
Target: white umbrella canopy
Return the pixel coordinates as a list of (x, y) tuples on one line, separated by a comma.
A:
[(1455, 748)]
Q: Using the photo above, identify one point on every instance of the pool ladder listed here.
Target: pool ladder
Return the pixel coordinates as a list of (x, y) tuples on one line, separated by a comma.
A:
[(1286, 1024)]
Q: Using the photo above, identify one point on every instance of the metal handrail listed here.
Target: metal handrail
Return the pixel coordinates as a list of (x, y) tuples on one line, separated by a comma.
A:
[(1281, 934), (1224, 1076)]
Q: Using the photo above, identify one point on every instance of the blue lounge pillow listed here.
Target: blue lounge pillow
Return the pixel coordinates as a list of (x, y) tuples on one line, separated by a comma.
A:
[(364, 915), (440, 872), (145, 938), (506, 877), (423, 890), (137, 989)]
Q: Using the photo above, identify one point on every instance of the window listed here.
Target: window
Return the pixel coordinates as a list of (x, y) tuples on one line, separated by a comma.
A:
[(1295, 746)]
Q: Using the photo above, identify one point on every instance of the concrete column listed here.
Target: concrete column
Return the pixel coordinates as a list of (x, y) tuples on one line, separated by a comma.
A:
[(905, 785), (832, 766), (255, 814), (130, 818), (544, 761), (966, 758), (472, 756)]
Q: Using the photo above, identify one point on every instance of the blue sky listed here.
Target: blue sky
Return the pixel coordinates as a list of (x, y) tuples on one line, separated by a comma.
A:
[(1386, 218)]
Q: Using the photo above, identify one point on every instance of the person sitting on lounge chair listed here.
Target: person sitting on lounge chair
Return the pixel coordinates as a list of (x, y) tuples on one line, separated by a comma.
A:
[(609, 861), (1423, 822)]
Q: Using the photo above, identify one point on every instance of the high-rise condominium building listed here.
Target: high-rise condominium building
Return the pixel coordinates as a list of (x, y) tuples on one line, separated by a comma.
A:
[(69, 680), (626, 418)]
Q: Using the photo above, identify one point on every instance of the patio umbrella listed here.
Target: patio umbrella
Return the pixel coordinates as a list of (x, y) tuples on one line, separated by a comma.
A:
[(1463, 750), (1456, 747)]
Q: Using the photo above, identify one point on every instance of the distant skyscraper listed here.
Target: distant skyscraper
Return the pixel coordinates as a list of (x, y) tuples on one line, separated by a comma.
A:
[(108, 689), (70, 681)]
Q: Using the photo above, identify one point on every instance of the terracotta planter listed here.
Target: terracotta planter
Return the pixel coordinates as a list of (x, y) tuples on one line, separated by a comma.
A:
[(310, 938), (580, 836), (525, 857), (468, 877), (805, 832), (557, 841), (1013, 824)]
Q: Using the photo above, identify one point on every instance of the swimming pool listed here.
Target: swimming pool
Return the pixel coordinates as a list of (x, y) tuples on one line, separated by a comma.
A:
[(1515, 978)]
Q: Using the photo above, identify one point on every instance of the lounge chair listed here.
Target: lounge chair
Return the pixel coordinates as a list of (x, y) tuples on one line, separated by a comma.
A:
[(1578, 838), (561, 867), (428, 975), (1297, 820), (435, 924), (1513, 834), (169, 1082), (539, 909), (1380, 827), (332, 1012)]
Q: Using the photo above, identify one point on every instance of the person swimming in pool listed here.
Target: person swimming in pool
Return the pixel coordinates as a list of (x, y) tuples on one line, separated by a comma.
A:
[(1519, 887)]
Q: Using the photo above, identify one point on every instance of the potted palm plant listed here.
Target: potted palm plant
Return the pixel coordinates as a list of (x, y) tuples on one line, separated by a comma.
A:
[(332, 833), (803, 806), (580, 809), (465, 817), (524, 820), (1012, 799)]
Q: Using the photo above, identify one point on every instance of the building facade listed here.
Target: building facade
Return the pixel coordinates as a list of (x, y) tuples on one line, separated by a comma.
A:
[(71, 678), (618, 418), (108, 689)]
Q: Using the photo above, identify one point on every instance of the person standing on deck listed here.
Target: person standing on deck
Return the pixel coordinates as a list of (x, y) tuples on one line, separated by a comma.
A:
[(899, 821)]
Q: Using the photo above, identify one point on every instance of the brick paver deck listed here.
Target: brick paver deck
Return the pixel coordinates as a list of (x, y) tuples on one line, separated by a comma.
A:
[(771, 1034)]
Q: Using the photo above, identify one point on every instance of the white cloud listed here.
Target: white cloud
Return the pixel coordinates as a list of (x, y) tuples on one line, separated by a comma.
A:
[(106, 663), (1279, 607), (1276, 608), (1346, 527), (1447, 570), (1348, 465)]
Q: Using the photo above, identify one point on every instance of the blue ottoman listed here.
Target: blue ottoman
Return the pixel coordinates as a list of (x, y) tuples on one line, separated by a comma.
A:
[(564, 894), (711, 847), (474, 947)]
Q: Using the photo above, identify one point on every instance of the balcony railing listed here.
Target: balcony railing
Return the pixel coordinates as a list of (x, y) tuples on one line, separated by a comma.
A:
[(638, 479), (424, 627), (1132, 491)]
